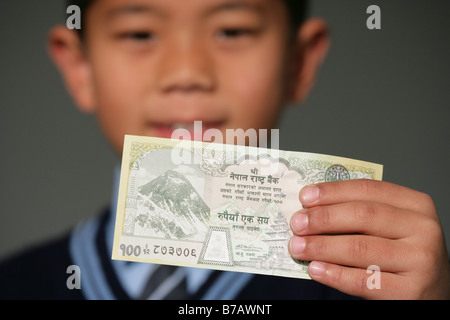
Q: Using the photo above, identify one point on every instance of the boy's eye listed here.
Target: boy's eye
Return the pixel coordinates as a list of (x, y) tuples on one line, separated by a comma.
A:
[(137, 36), (234, 33)]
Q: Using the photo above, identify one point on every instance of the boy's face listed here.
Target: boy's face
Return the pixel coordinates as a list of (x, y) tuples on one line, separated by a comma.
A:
[(151, 66)]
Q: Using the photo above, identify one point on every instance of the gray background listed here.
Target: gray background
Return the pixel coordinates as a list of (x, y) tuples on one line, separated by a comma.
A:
[(382, 96)]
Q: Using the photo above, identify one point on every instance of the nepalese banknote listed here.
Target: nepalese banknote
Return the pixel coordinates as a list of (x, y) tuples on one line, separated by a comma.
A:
[(217, 206)]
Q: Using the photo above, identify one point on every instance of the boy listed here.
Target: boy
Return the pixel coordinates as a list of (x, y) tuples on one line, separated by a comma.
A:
[(146, 67)]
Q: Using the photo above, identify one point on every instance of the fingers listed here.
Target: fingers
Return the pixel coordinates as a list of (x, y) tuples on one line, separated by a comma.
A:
[(347, 226), (365, 283), (355, 217), (351, 250), (365, 190)]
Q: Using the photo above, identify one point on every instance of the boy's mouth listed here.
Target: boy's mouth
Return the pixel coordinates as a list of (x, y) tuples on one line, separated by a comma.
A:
[(196, 130)]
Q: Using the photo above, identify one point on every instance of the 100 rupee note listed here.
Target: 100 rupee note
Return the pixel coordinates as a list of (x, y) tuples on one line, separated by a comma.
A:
[(217, 206)]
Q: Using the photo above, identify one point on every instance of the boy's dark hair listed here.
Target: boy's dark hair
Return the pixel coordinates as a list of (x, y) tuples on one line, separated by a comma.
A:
[(297, 10)]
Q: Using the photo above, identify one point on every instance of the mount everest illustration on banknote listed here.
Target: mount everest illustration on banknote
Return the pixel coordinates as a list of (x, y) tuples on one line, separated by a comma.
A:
[(169, 207)]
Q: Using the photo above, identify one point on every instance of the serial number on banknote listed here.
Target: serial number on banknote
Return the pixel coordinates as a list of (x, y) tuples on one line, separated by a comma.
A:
[(156, 250)]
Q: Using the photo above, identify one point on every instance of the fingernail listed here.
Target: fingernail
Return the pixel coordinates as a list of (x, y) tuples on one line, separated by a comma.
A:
[(316, 268), (297, 245), (299, 222), (309, 195)]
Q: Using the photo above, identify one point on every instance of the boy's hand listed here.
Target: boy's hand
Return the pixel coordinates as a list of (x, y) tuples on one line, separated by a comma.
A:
[(351, 225)]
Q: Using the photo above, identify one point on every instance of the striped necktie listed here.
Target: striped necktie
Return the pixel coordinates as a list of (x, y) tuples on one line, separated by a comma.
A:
[(166, 282)]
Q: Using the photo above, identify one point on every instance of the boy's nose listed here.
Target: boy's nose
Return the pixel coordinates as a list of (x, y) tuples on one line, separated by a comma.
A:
[(186, 69)]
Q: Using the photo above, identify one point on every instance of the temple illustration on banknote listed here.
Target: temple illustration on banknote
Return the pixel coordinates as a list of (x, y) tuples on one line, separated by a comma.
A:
[(276, 237)]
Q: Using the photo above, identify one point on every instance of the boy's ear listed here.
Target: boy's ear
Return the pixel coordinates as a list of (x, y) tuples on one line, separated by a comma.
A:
[(312, 46), (65, 49)]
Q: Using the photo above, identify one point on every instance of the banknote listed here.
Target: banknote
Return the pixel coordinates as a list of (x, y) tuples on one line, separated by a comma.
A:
[(217, 206)]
